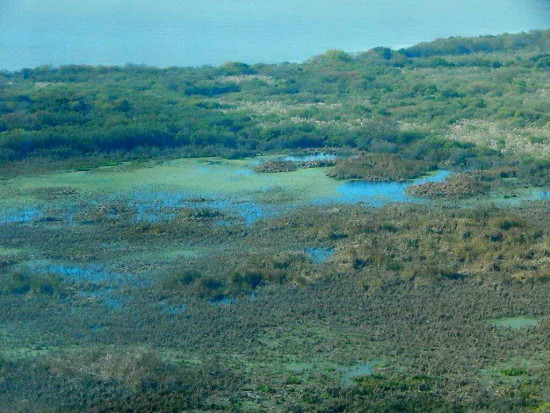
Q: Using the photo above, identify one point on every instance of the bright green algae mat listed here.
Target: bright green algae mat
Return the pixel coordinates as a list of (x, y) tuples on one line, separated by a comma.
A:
[(202, 176), (516, 323), (199, 175)]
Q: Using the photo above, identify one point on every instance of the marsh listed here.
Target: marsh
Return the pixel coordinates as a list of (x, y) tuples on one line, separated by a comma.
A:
[(362, 231)]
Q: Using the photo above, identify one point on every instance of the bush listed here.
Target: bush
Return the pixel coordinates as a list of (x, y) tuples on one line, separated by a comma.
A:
[(23, 282), (380, 168)]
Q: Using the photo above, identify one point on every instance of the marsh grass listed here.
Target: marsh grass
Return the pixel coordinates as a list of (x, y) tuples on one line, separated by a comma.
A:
[(413, 286)]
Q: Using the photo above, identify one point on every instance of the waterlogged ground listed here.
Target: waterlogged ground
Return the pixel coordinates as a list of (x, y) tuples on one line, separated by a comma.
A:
[(229, 192), (178, 180), (113, 235), (156, 192)]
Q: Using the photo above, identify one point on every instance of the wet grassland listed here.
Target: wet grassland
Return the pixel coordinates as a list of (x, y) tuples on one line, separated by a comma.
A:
[(366, 232), (211, 284)]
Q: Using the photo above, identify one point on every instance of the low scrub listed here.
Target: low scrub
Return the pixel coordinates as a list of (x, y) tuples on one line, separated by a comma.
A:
[(456, 187), (380, 168), (245, 274), (24, 282)]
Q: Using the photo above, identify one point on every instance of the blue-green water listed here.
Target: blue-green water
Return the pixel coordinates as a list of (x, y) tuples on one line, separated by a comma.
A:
[(319, 255), (355, 372), (191, 32), (516, 323)]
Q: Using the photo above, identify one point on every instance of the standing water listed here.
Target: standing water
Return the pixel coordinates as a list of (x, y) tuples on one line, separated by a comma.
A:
[(193, 33)]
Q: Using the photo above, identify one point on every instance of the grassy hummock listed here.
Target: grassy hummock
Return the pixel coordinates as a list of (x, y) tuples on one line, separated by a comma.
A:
[(380, 168)]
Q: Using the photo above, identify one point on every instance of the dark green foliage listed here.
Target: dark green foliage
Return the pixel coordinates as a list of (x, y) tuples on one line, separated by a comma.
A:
[(245, 273), (252, 324), (187, 278), (513, 372), (335, 99), (292, 380), (109, 381), (535, 171), (378, 393), (26, 282)]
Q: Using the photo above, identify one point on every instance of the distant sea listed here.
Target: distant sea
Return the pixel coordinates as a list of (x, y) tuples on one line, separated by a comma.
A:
[(199, 32)]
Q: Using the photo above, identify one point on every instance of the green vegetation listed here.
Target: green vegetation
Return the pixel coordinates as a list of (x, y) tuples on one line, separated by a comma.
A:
[(18, 282), (380, 168), (278, 165), (459, 186), (139, 275), (513, 372), (238, 109)]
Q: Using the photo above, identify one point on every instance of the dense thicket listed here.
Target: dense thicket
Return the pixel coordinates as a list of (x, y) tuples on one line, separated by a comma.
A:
[(381, 100)]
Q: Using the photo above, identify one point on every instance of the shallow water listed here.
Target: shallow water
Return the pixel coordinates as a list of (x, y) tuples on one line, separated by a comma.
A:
[(91, 274), (357, 371), (516, 323), (224, 301), (20, 215), (155, 207), (108, 298), (98, 283), (380, 193), (190, 32), (97, 275), (310, 158), (319, 255), (229, 188)]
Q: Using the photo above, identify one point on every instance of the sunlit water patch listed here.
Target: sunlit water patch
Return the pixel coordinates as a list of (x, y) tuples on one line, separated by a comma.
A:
[(170, 309), (223, 301), (155, 207), (248, 211), (109, 288), (348, 375), (256, 196), (156, 193), (230, 188), (60, 212), (21, 215), (93, 274), (310, 158), (108, 298), (319, 255), (516, 323), (380, 193)]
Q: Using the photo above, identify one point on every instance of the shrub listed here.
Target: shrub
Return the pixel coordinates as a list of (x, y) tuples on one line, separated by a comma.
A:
[(25, 282), (380, 168)]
